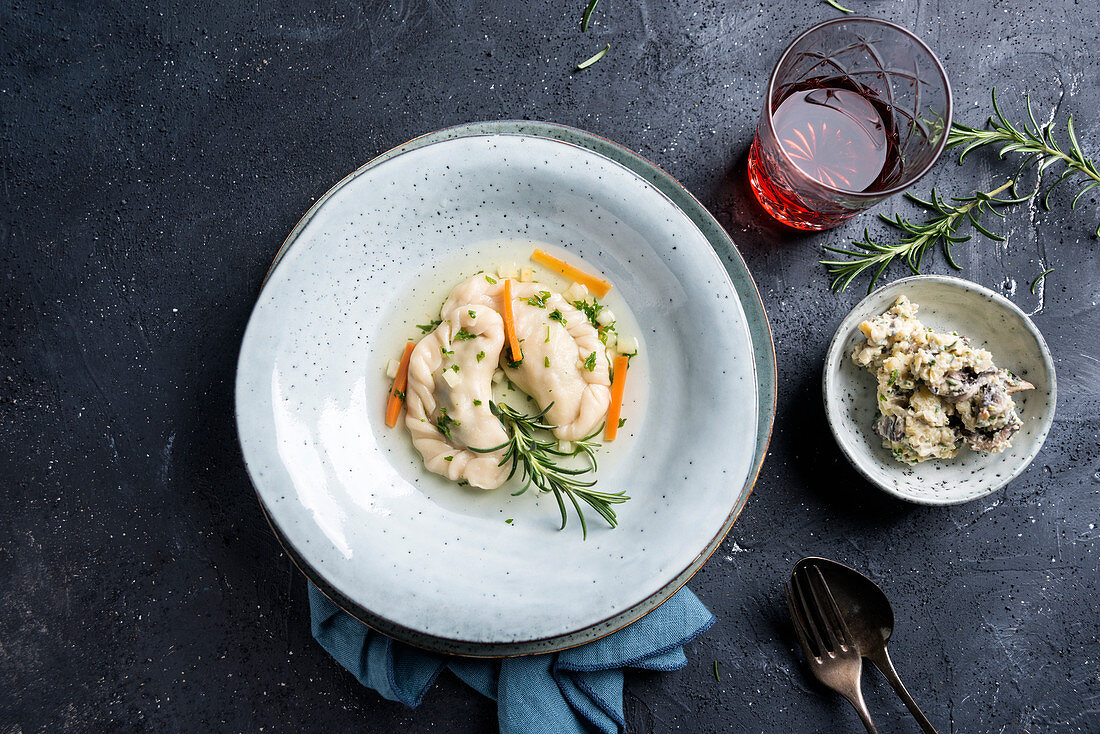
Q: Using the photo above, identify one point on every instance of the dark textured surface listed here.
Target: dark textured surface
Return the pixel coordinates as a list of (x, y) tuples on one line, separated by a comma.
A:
[(155, 157)]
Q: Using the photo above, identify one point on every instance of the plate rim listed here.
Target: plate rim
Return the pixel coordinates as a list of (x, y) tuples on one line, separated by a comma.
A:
[(764, 364), (834, 353)]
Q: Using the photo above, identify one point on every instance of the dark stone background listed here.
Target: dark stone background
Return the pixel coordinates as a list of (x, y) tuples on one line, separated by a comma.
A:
[(154, 158)]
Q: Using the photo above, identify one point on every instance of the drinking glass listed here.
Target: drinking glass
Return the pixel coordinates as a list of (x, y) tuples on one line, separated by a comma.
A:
[(889, 103)]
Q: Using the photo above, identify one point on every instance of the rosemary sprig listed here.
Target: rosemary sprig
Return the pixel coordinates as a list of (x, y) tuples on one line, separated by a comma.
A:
[(941, 226), (536, 459), (1034, 141)]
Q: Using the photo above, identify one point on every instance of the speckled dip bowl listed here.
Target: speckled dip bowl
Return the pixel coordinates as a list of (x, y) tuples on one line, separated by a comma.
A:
[(991, 321)]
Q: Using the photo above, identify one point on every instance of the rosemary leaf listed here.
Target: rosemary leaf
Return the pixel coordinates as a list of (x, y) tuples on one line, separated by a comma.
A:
[(838, 6), (593, 59), (1042, 276), (587, 17)]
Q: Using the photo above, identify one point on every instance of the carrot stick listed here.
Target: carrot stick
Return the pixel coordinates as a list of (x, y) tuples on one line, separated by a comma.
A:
[(597, 285), (395, 401), (510, 322), (618, 388)]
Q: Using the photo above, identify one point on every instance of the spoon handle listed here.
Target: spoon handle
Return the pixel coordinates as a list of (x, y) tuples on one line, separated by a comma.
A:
[(881, 660)]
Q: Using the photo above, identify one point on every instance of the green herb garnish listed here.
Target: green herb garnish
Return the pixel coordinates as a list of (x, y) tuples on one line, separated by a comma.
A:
[(538, 300), (591, 310), (838, 6), (1042, 275), (509, 521), (472, 314), (463, 336), (556, 315), (454, 367), (1034, 141), (448, 458), (425, 328), (477, 402), (590, 362), (480, 356), (491, 280), (546, 361), (587, 17), (622, 422), (893, 378), (536, 459), (444, 423), (444, 351), (593, 59)]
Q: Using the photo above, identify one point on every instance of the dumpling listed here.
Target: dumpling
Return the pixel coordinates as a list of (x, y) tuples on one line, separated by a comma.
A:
[(447, 399), (564, 361)]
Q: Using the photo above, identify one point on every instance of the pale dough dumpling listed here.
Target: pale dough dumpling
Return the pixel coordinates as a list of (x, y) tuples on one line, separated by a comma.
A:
[(446, 415), (564, 361)]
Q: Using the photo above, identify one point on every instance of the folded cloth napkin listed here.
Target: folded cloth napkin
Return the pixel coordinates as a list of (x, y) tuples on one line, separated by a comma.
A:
[(576, 690)]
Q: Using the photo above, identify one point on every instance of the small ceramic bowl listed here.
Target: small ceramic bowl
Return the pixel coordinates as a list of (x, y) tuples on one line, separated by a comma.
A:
[(991, 321)]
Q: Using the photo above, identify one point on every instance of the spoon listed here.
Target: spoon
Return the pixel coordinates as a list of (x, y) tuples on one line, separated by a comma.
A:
[(870, 618)]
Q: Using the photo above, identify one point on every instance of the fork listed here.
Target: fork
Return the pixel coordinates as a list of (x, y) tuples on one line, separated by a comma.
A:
[(826, 640)]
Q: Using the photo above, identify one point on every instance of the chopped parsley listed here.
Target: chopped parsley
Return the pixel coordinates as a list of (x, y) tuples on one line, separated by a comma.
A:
[(444, 423), (464, 336), (444, 351), (622, 422), (448, 458), (428, 327), (491, 280), (590, 362), (509, 521), (480, 356), (454, 367), (547, 333), (472, 313), (477, 402), (539, 300), (546, 361), (591, 310), (399, 395), (893, 378), (555, 315)]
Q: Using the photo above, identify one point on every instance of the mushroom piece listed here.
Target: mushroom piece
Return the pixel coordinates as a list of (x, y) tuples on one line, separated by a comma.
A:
[(890, 427)]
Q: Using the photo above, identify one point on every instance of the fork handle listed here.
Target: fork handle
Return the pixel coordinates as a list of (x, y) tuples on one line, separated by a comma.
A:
[(856, 699), (881, 660)]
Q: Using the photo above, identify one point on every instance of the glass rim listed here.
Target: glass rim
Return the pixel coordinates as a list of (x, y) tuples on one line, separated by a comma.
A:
[(884, 193)]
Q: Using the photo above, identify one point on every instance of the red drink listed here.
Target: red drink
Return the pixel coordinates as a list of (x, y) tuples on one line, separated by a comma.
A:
[(834, 133), (857, 109)]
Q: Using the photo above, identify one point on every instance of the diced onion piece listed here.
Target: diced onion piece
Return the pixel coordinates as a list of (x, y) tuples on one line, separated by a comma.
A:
[(566, 447), (526, 275), (576, 292), (498, 377), (605, 316), (452, 378), (508, 270), (391, 368), (611, 339), (627, 345)]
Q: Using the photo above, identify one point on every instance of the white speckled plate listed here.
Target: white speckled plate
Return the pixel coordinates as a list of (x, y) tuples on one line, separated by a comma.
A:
[(991, 321), (429, 562)]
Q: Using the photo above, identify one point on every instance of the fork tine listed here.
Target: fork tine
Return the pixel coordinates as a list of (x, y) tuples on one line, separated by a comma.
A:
[(820, 604), (799, 624), (807, 614), (834, 608)]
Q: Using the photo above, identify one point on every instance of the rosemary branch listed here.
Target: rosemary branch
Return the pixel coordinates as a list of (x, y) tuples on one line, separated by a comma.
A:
[(941, 226), (536, 458), (1036, 142)]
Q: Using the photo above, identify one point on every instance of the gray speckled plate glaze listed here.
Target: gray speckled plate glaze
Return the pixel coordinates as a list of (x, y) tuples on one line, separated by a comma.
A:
[(433, 564), (991, 321)]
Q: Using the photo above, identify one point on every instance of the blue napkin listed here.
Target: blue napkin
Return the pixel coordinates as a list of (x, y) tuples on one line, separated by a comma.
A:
[(577, 690)]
